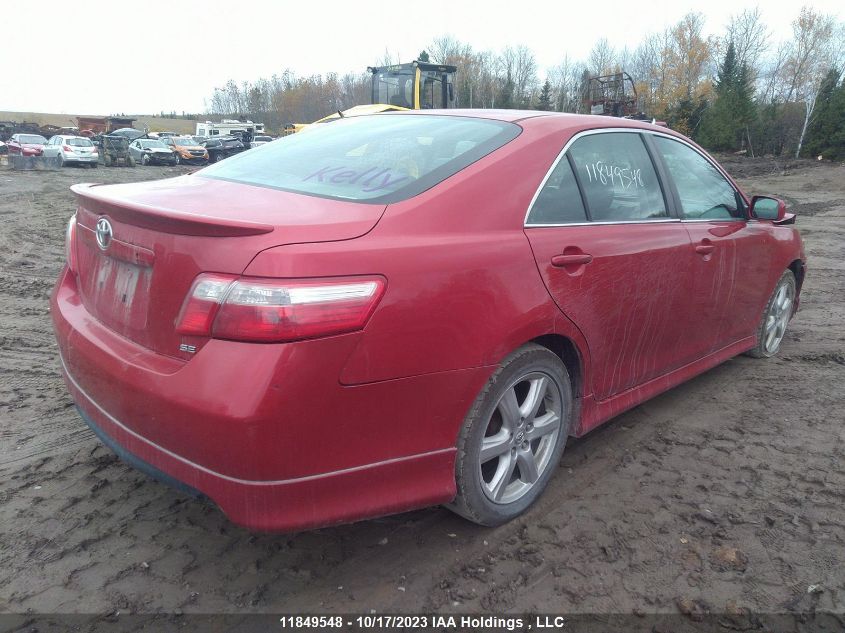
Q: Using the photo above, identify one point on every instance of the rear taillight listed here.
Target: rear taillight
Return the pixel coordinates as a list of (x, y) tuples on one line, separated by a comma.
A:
[(277, 310), (70, 244), (67, 148)]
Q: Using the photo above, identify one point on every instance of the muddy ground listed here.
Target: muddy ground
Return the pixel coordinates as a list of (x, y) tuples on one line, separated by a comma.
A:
[(726, 493)]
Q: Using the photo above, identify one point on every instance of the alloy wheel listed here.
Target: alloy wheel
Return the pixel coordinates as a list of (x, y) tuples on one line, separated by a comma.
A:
[(520, 438), (778, 317)]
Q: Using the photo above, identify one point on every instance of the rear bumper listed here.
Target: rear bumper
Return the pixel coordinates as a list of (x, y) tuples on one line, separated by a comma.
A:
[(267, 431)]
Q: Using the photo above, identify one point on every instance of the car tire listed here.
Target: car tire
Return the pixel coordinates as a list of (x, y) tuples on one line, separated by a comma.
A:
[(130, 162), (219, 157), (178, 160), (492, 489), (94, 165), (772, 327), (107, 160), (60, 161), (145, 160)]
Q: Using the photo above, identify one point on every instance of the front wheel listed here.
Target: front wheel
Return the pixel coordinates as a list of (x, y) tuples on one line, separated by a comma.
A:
[(145, 160), (178, 160), (772, 327), (513, 437)]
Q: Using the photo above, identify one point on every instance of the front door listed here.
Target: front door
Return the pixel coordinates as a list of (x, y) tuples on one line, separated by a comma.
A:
[(731, 256)]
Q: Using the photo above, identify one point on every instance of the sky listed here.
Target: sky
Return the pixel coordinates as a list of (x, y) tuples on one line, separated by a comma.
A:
[(144, 57)]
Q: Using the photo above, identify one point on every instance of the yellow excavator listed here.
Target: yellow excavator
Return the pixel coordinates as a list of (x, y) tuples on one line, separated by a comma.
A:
[(413, 86)]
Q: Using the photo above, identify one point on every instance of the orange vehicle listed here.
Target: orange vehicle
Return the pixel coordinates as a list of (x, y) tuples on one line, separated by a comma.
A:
[(186, 149)]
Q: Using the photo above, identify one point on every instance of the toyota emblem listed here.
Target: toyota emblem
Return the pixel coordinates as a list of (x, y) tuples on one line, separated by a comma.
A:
[(104, 233)]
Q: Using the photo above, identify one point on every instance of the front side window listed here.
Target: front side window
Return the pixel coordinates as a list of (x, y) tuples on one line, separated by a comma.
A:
[(559, 201), (380, 158), (394, 88), (704, 192), (431, 90), (619, 180)]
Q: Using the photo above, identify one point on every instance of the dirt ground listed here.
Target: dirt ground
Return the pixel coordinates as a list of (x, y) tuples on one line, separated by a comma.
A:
[(724, 494)]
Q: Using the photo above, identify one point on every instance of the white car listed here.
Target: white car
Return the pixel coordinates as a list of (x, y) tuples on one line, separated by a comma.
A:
[(72, 149), (260, 140)]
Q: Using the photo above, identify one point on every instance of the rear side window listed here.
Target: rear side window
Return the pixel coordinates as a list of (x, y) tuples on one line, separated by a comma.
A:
[(704, 192), (379, 158), (559, 201), (619, 180)]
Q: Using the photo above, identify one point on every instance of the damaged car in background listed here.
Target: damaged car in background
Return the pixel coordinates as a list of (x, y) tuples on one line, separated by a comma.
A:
[(186, 150), (408, 309), (72, 150), (147, 151)]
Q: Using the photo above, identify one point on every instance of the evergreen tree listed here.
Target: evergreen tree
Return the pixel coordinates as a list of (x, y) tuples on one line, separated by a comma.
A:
[(725, 123), (504, 100), (545, 101), (423, 57)]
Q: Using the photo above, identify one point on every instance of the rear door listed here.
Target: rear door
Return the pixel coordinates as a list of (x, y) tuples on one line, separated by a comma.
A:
[(731, 256), (613, 258)]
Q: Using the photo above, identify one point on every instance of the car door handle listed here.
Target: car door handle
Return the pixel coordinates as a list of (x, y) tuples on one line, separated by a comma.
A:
[(577, 259), (704, 249)]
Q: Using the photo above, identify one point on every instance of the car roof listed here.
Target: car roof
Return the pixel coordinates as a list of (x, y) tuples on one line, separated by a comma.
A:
[(533, 117)]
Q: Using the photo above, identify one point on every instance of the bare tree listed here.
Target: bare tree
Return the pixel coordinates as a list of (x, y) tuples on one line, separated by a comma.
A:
[(602, 59)]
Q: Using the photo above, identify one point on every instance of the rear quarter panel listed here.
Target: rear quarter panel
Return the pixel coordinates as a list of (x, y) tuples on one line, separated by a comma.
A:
[(463, 286)]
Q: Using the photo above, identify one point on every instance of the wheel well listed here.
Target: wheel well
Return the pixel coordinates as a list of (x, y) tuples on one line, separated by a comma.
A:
[(565, 349), (797, 268)]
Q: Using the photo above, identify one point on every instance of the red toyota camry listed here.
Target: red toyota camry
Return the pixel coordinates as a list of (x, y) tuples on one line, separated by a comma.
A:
[(407, 309)]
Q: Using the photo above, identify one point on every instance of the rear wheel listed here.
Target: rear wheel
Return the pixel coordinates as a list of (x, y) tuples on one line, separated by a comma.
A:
[(94, 165), (772, 327), (513, 437)]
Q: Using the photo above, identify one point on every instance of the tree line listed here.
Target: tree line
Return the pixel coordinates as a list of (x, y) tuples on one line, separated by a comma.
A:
[(738, 91)]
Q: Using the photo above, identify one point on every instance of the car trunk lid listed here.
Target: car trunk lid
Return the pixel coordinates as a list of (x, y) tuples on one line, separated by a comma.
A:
[(156, 237)]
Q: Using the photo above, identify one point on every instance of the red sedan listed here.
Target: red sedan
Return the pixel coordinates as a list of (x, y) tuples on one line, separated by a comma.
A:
[(26, 144), (409, 309)]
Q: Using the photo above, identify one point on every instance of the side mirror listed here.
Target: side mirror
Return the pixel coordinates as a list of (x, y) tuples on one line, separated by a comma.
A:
[(768, 208)]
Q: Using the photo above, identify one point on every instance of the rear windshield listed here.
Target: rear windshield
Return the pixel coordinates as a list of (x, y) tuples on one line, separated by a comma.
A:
[(79, 142), (380, 158), (34, 139)]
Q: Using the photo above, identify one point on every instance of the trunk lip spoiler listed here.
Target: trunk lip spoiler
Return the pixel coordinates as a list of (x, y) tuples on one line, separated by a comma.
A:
[(169, 220)]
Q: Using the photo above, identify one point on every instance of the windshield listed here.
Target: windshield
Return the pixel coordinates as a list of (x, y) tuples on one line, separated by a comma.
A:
[(33, 139), (184, 140), (150, 144), (394, 88), (379, 158), (262, 138), (79, 142)]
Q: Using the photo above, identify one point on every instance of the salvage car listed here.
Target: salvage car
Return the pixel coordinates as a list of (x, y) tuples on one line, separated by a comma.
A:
[(148, 151), (186, 150), (408, 309), (26, 145), (72, 150), (259, 140), (222, 147)]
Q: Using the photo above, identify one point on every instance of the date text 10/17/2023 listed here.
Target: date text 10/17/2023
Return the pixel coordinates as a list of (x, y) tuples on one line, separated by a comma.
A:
[(406, 622)]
